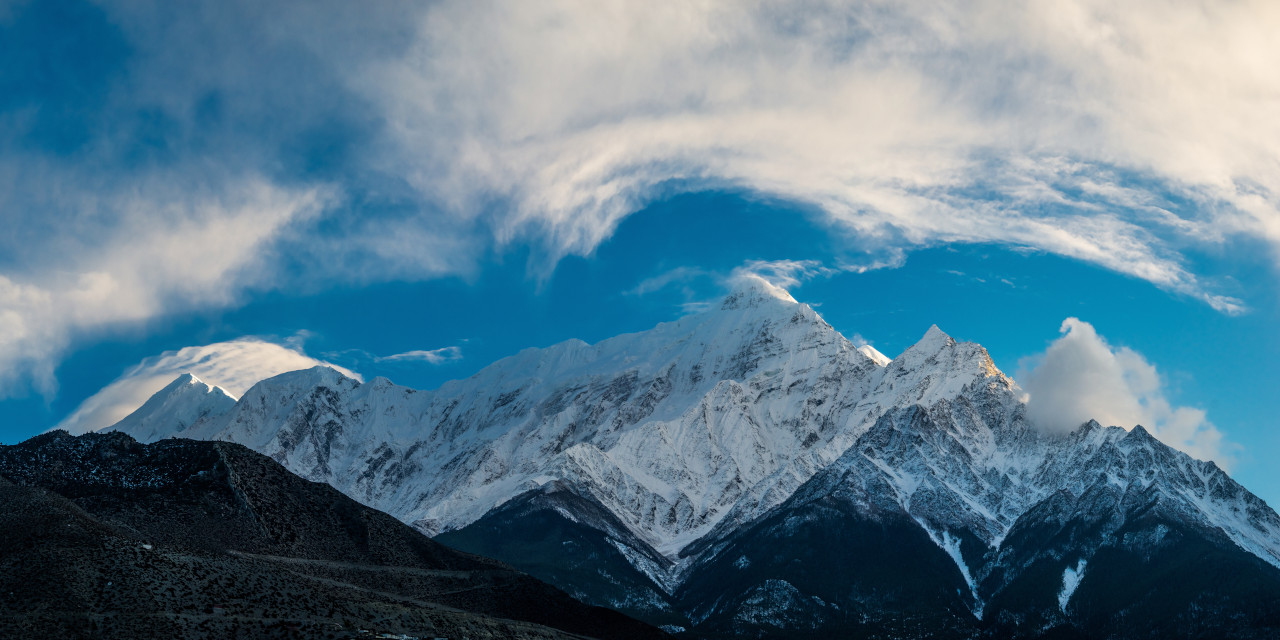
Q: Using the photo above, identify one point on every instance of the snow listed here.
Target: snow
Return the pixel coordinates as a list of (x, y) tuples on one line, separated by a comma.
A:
[(876, 357), (183, 404), (672, 428), (699, 425), (951, 545), (1071, 578)]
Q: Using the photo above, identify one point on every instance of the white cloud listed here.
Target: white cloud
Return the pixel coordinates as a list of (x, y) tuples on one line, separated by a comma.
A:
[(182, 252), (678, 275), (433, 356), (791, 273), (1082, 377), (1074, 127), (235, 365), (785, 274), (1058, 126)]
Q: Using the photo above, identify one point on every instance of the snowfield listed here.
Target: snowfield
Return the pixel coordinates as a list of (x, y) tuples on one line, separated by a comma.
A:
[(689, 430)]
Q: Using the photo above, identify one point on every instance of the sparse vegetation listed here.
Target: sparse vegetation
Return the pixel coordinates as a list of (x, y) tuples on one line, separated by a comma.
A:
[(101, 537)]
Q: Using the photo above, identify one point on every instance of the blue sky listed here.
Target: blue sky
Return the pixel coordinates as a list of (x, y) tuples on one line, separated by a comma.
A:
[(417, 190)]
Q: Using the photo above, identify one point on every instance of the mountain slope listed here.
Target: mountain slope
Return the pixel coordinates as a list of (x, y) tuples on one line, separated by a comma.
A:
[(566, 539), (717, 415), (185, 404), (658, 458), (105, 536), (1101, 525)]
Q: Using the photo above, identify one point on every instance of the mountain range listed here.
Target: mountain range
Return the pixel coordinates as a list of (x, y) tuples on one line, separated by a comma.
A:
[(747, 471)]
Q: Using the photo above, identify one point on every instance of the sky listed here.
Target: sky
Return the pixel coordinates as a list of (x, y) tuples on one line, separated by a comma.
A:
[(1089, 189)]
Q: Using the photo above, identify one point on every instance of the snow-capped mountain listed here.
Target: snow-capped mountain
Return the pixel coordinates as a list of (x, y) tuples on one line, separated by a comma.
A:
[(656, 457), (670, 428), (184, 405), (720, 414)]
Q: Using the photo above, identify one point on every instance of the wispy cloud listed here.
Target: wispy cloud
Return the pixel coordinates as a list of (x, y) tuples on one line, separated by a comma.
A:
[(1082, 377), (172, 253), (785, 273), (1056, 127), (219, 147), (433, 356), (678, 275), (792, 273), (235, 365)]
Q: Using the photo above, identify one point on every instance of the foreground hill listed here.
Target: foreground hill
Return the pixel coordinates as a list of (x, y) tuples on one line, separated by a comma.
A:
[(101, 536)]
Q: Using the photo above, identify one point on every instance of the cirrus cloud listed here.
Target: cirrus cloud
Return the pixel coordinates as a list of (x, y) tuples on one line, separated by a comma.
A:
[(212, 148), (429, 356), (235, 365), (1076, 128)]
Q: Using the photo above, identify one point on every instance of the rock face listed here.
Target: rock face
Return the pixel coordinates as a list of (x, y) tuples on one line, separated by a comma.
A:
[(103, 537), (711, 473)]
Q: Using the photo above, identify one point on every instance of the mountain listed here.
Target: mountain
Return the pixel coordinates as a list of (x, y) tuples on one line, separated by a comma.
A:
[(101, 536), (183, 405), (1119, 536), (748, 470)]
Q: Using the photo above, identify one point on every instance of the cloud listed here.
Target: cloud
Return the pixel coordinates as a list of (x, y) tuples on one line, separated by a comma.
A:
[(434, 356), (1073, 128), (678, 275), (167, 254), (779, 275), (235, 365), (791, 273), (189, 155), (784, 273), (1082, 377)]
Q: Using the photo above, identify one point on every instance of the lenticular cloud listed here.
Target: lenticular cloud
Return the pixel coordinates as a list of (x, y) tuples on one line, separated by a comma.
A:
[(234, 365)]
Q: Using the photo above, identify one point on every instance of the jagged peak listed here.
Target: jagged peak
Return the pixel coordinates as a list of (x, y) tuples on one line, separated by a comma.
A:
[(751, 290), (1088, 426), (1139, 433), (966, 358), (934, 340), (879, 358), (188, 382), (184, 381), (931, 344)]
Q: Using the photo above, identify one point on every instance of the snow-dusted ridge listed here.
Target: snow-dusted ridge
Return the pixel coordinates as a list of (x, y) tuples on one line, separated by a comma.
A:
[(184, 405), (690, 429)]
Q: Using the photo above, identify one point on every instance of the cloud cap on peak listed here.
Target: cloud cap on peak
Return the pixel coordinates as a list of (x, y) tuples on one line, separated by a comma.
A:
[(1081, 377), (748, 287), (235, 366)]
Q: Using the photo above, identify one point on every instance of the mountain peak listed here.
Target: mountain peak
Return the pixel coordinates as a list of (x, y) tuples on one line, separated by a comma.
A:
[(751, 290), (188, 383), (181, 404), (936, 335), (879, 358), (1139, 434), (934, 341), (319, 375)]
